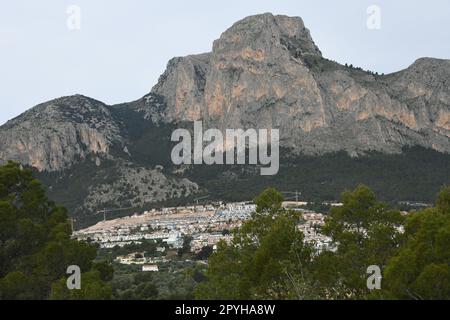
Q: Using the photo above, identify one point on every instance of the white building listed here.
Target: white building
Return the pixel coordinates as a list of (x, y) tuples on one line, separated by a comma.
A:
[(150, 267)]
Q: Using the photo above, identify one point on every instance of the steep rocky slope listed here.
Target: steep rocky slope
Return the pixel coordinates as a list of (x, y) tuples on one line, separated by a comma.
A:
[(54, 135), (266, 72), (263, 72), (90, 155)]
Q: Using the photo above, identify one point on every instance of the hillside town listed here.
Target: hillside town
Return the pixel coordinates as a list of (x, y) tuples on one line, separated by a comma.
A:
[(205, 225)]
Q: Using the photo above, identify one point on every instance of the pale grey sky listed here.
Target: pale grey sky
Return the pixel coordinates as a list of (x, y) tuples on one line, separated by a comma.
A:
[(123, 45)]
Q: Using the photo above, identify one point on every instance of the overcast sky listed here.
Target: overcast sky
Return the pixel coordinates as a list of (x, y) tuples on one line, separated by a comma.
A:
[(123, 46)]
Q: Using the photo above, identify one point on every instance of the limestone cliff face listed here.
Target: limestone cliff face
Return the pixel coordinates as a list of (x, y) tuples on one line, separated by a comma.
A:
[(183, 86), (266, 72), (80, 146), (263, 72), (255, 68), (425, 88), (56, 134)]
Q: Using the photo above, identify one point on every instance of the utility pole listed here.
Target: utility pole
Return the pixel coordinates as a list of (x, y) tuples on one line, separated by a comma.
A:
[(295, 194), (200, 198), (104, 214), (72, 220), (104, 211)]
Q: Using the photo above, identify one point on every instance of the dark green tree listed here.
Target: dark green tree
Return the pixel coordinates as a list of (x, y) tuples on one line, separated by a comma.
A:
[(364, 232), (105, 270), (421, 268), (186, 247), (146, 291), (204, 253), (35, 243), (93, 287), (267, 257)]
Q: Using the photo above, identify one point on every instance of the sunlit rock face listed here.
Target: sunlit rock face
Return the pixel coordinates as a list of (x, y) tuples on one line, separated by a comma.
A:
[(183, 85), (56, 134), (81, 146), (266, 72), (254, 70)]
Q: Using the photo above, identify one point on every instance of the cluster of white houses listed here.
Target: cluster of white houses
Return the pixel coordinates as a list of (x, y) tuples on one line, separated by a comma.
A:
[(206, 225), (310, 226)]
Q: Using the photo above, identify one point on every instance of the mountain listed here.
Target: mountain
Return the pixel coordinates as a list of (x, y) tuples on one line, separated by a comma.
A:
[(263, 72), (56, 134), (90, 154), (266, 72)]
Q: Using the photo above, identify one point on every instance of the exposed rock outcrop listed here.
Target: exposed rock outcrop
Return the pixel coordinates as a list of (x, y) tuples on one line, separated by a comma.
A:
[(266, 72), (263, 72), (56, 134)]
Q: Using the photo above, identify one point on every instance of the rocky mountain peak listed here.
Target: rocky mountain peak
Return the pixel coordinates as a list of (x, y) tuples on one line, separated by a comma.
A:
[(56, 134), (64, 108), (266, 33), (432, 74), (266, 71), (256, 64)]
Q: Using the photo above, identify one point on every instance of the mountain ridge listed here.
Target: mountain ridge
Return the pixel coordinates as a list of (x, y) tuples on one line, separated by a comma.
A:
[(260, 74), (265, 71)]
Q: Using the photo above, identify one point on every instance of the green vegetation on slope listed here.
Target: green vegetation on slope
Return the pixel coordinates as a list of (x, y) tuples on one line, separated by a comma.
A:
[(267, 259), (35, 244), (417, 175)]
